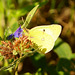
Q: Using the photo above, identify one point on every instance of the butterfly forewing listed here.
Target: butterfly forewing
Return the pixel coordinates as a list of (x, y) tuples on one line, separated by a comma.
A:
[(45, 36)]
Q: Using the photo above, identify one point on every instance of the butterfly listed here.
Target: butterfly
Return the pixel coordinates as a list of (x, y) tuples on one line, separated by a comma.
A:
[(45, 36)]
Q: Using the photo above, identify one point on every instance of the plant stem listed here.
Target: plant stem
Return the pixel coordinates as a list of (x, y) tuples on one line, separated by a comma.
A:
[(16, 73), (16, 68)]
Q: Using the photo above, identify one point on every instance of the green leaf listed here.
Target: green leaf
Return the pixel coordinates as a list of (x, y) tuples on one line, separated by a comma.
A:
[(14, 27), (73, 55), (1, 19), (7, 32), (39, 72), (64, 65), (61, 73), (1, 58), (29, 17), (12, 65), (26, 73), (0, 38), (52, 70), (37, 59), (63, 49), (7, 67)]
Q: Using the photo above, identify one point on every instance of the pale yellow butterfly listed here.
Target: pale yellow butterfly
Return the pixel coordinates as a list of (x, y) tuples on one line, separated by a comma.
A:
[(45, 36)]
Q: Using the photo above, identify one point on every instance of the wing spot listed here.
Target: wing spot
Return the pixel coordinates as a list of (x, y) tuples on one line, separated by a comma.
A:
[(42, 39), (31, 37), (43, 30)]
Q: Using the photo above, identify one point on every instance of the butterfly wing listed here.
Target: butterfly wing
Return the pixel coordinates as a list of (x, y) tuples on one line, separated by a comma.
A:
[(54, 30), (43, 40), (45, 36)]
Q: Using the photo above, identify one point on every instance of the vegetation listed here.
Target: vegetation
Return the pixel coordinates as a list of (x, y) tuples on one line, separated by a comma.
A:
[(59, 61)]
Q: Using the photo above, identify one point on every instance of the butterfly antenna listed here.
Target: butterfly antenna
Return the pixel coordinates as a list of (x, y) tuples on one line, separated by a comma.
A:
[(22, 20), (25, 23), (26, 30)]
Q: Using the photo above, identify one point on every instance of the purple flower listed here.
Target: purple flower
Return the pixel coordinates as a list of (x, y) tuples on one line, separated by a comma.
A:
[(17, 34)]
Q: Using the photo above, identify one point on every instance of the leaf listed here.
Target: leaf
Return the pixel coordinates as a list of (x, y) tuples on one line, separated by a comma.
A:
[(63, 49), (12, 65), (1, 19), (52, 70), (14, 27), (38, 72), (29, 17), (37, 59), (7, 67), (64, 65), (1, 58), (0, 38), (7, 32), (26, 73), (73, 55), (61, 73)]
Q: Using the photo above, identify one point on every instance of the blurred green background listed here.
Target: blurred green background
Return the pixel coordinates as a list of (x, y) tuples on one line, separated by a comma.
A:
[(59, 61)]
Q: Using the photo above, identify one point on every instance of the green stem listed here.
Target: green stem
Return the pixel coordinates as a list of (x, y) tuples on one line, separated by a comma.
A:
[(16, 73), (16, 68)]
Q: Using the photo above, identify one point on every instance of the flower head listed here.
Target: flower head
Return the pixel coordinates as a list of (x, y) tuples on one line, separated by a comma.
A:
[(15, 48), (17, 34)]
